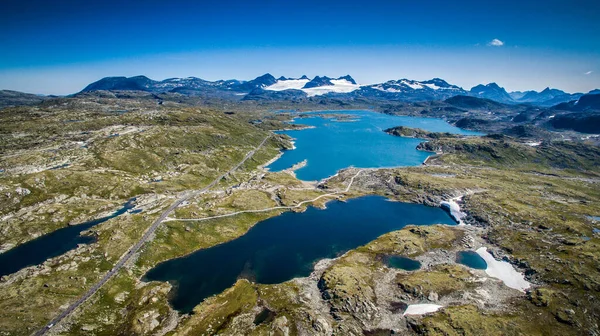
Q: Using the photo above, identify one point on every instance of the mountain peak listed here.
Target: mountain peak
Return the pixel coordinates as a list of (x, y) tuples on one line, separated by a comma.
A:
[(318, 81), (264, 80), (140, 77), (436, 80), (440, 83), (136, 83), (266, 76), (491, 91), (349, 79)]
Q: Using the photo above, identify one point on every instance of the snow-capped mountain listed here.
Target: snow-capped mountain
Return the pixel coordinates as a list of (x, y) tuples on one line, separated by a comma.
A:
[(283, 88), (411, 90), (316, 86), (288, 84), (407, 85)]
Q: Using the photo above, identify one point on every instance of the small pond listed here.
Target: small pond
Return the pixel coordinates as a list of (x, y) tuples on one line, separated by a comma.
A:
[(402, 263), (471, 259)]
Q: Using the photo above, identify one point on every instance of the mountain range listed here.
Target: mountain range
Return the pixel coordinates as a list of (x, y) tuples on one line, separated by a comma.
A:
[(269, 87)]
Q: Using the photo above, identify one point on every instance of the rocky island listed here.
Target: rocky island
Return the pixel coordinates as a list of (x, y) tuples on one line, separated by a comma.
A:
[(410, 132)]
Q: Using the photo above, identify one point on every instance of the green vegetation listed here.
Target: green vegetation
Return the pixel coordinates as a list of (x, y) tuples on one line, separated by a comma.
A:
[(468, 320), (110, 156), (70, 160), (502, 152), (217, 312)]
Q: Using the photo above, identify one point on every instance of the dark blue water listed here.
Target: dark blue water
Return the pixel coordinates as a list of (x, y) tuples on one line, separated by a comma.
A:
[(51, 245), (403, 263), (471, 259), (333, 145), (287, 246)]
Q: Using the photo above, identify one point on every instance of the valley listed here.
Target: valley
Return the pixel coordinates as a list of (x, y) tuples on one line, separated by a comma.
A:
[(299, 168)]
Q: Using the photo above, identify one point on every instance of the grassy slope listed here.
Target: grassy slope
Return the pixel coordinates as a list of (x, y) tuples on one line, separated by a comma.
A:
[(187, 147)]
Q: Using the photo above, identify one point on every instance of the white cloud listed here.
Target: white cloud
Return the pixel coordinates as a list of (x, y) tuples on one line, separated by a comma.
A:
[(495, 43), (588, 73)]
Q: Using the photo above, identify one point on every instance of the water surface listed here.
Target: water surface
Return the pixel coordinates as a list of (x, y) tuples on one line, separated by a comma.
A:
[(403, 263), (287, 246), (471, 259), (335, 144), (53, 244)]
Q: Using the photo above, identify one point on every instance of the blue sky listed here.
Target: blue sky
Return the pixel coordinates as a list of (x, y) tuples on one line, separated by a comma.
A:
[(57, 47)]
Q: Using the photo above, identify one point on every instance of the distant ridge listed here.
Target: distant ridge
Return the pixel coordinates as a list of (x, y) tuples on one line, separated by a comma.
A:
[(491, 91), (473, 102), (16, 98), (138, 83), (265, 86), (588, 102)]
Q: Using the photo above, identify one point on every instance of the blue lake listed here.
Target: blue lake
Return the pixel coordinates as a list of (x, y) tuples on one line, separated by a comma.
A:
[(333, 145), (287, 246), (401, 262), (51, 245), (471, 259)]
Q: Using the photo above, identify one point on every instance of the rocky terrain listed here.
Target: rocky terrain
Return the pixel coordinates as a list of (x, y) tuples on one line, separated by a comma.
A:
[(527, 197), (15, 98)]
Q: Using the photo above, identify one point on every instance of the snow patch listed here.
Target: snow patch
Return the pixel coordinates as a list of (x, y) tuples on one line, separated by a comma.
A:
[(421, 308), (454, 209), (295, 84), (380, 88), (503, 271), (413, 85), (434, 87), (339, 86), (534, 144)]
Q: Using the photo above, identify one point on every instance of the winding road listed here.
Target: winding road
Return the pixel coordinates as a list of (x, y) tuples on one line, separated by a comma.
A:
[(268, 209), (135, 248)]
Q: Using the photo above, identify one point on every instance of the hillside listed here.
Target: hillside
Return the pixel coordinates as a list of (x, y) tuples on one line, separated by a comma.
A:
[(16, 98), (588, 102), (473, 102)]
